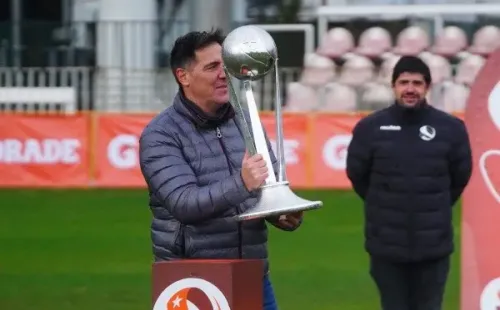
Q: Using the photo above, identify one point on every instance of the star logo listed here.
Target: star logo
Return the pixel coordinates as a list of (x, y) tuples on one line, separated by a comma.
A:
[(192, 294)]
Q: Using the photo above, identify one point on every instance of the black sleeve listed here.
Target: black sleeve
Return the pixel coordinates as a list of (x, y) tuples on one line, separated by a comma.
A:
[(460, 163), (359, 159)]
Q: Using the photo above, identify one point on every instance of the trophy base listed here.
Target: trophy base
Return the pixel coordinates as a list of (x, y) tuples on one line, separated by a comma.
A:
[(278, 199)]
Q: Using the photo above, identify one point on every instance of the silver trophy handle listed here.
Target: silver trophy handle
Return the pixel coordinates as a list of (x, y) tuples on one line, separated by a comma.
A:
[(280, 152), (240, 117)]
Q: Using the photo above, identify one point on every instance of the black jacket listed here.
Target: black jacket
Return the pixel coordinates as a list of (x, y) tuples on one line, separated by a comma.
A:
[(409, 166)]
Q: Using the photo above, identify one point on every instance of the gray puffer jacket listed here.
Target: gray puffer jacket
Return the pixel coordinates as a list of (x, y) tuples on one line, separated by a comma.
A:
[(195, 187)]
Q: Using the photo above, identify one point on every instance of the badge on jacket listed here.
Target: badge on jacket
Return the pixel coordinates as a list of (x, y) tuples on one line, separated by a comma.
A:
[(427, 133)]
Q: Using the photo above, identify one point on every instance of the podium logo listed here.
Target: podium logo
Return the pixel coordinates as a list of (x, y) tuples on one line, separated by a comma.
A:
[(191, 294), (490, 298)]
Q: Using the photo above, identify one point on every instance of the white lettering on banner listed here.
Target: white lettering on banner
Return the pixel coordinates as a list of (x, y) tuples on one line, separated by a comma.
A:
[(490, 297), (290, 149), (494, 111), (493, 106), (122, 152), (335, 151), (487, 176), (44, 151)]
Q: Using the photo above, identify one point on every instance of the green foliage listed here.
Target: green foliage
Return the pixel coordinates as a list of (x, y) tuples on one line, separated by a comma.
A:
[(287, 11)]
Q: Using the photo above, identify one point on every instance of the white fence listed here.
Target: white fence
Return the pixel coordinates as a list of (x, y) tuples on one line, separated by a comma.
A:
[(31, 99), (43, 89)]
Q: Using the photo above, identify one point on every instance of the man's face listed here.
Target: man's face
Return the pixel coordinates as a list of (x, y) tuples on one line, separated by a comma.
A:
[(410, 89), (204, 78)]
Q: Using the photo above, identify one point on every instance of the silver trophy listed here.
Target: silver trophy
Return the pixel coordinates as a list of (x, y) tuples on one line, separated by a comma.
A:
[(249, 53)]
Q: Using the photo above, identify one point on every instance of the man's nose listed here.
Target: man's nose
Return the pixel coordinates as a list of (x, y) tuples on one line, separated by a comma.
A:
[(222, 73)]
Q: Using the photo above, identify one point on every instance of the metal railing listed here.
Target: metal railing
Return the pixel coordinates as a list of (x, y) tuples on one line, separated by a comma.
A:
[(112, 66), (116, 89), (436, 12), (80, 79), (123, 66)]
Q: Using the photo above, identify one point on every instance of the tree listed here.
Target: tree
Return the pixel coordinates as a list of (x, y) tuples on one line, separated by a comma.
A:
[(274, 11)]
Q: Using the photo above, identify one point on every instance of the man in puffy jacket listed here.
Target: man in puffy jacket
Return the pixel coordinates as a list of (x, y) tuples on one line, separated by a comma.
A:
[(409, 163), (193, 158)]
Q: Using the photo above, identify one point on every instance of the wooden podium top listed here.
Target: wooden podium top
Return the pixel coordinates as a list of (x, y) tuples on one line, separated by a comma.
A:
[(208, 284)]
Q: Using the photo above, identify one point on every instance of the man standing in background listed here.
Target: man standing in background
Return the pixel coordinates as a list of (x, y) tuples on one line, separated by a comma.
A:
[(409, 163)]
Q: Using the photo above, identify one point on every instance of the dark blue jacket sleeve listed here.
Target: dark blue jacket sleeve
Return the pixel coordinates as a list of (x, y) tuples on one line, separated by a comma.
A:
[(359, 157), (172, 180), (460, 163)]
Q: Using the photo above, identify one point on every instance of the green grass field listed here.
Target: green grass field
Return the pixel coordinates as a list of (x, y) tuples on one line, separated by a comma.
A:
[(58, 251)]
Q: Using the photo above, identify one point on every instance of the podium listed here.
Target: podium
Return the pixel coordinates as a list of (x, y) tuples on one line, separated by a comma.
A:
[(207, 284)]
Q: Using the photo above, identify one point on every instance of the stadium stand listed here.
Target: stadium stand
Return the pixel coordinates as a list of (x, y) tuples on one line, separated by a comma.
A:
[(318, 70), (374, 42), (359, 72), (450, 42), (336, 42), (345, 54)]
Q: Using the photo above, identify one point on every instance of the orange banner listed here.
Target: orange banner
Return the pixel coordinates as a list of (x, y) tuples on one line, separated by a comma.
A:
[(331, 136), (295, 145), (314, 147), (117, 141), (47, 151)]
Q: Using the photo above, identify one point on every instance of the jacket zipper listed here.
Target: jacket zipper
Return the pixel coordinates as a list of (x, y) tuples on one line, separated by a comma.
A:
[(240, 241), (411, 221)]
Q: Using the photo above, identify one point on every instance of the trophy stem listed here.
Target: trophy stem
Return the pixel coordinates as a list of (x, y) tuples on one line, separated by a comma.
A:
[(240, 118), (280, 153), (258, 131)]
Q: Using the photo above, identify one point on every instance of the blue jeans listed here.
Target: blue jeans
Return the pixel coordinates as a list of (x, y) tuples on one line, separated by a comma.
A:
[(269, 298)]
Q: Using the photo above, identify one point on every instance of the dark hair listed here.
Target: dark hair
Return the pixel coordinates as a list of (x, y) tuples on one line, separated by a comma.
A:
[(185, 47), (411, 64)]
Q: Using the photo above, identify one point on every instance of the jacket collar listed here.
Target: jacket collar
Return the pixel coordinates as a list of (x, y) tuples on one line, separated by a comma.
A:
[(191, 111), (413, 114)]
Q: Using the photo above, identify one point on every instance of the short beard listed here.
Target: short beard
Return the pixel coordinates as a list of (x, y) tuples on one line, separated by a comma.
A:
[(414, 106)]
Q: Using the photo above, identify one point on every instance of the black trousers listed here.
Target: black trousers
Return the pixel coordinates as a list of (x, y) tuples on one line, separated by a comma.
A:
[(410, 286)]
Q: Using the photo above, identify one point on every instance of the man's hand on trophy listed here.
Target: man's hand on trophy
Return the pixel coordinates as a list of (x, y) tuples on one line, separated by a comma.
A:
[(253, 171), (291, 220)]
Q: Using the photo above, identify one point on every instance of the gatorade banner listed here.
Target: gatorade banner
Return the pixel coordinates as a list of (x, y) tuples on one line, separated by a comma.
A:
[(69, 151), (481, 204), (44, 151)]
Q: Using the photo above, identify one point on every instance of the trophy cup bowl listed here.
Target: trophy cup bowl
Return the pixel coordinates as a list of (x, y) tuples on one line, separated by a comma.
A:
[(249, 53)]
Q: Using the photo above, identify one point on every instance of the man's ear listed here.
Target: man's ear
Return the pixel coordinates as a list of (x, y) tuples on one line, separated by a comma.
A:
[(182, 76)]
